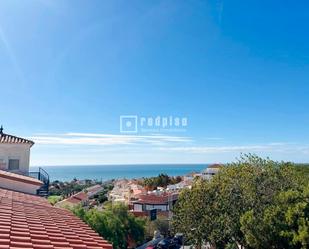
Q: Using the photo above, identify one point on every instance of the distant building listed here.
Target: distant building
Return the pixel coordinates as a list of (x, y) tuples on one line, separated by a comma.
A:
[(177, 186), (124, 190), (91, 191), (14, 153), (211, 171), (81, 198), (146, 202)]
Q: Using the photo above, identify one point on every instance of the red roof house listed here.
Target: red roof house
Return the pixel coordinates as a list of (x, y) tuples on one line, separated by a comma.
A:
[(146, 202), (79, 198)]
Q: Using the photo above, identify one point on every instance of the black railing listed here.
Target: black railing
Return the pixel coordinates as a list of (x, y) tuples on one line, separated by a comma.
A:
[(43, 176), (34, 175)]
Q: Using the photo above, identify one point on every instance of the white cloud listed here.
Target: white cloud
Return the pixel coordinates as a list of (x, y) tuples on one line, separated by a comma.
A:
[(101, 148), (269, 147), (105, 139)]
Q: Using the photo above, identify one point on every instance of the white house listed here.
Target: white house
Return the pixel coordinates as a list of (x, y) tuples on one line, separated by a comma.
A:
[(14, 153), (211, 170)]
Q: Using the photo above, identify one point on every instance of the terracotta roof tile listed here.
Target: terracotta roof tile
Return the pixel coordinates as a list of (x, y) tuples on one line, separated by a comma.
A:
[(75, 199), (28, 221), (156, 199), (9, 139)]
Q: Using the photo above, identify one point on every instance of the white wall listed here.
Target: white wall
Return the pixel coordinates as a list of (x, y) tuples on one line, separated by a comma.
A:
[(138, 207), (15, 151), (159, 207), (18, 186)]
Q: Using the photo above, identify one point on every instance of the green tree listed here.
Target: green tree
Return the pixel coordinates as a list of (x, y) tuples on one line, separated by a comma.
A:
[(211, 211), (115, 224), (285, 224), (161, 224), (162, 180), (192, 213)]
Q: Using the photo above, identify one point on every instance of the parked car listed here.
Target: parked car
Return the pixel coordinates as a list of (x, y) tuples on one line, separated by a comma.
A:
[(170, 243)]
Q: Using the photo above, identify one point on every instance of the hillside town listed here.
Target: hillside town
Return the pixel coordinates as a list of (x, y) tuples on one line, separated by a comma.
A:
[(133, 193), (155, 124), (159, 212), (21, 188), (141, 201)]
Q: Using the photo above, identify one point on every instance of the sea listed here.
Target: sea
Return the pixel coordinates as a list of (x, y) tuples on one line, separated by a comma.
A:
[(108, 172)]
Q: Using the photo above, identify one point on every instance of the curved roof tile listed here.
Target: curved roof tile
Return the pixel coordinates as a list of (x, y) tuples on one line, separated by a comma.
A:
[(31, 222), (9, 139)]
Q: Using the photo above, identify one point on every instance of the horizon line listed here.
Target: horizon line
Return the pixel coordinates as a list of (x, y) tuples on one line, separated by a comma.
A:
[(120, 164)]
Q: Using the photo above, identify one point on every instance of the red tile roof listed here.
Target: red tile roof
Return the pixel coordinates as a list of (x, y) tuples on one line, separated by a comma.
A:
[(28, 221), (94, 189), (20, 178), (9, 139), (77, 198), (156, 199)]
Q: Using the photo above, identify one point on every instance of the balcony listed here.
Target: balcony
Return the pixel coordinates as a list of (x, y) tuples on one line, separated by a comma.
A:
[(43, 176)]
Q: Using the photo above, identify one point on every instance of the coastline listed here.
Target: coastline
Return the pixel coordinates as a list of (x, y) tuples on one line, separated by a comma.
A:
[(108, 172)]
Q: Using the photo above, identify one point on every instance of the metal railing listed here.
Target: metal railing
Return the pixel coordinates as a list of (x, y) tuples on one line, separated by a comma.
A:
[(43, 176)]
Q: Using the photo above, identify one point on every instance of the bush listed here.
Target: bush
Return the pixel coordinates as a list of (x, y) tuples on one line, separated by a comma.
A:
[(115, 224)]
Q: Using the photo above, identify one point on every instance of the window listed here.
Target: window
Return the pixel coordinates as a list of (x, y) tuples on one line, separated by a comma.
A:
[(13, 164), (138, 207), (2, 163)]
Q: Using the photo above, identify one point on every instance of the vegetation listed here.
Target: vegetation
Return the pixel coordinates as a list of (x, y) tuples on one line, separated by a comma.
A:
[(53, 199), (60, 190), (254, 203), (102, 196), (66, 189), (161, 225), (284, 224), (162, 180), (303, 171), (115, 224)]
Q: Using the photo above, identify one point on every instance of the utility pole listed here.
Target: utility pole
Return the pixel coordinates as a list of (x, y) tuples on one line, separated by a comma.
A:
[(170, 205)]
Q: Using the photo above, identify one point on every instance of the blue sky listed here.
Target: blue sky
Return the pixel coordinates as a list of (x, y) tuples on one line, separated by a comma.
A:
[(237, 70)]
